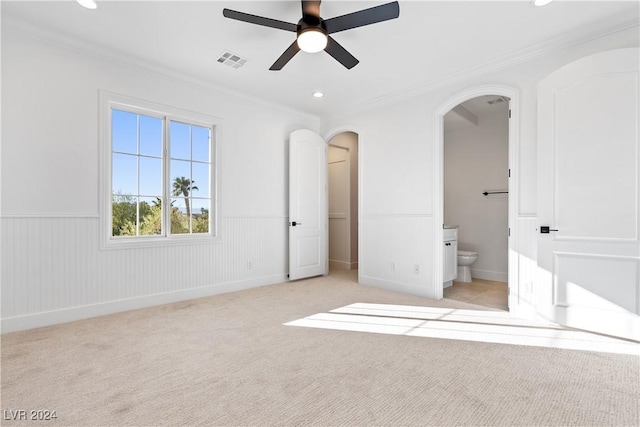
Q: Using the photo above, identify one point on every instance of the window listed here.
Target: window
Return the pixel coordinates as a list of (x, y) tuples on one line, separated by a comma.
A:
[(160, 173)]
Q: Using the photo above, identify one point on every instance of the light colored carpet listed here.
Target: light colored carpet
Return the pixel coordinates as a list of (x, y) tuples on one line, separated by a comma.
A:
[(229, 360)]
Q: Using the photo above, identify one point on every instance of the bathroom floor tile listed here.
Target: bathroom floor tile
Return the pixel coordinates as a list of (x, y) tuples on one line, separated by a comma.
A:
[(480, 292)]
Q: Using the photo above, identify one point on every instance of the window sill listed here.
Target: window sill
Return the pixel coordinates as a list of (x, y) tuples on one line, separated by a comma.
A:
[(157, 242)]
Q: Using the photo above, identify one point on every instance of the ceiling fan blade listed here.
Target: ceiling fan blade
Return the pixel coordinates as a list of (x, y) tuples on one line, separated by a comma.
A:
[(259, 20), (363, 17), (285, 57), (311, 8), (340, 54)]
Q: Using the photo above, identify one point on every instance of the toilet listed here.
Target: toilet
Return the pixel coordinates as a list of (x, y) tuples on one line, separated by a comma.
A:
[(465, 260)]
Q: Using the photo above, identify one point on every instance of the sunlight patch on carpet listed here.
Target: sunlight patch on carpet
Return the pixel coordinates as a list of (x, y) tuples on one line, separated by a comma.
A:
[(459, 324)]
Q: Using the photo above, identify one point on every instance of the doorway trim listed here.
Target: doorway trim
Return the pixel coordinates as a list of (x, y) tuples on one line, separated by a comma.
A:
[(438, 182), (327, 137)]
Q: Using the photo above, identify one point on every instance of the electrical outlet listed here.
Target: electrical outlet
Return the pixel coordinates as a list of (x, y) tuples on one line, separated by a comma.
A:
[(249, 265), (416, 268), (393, 266)]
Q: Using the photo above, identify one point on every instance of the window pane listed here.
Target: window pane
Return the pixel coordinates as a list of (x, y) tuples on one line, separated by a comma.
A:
[(150, 216), (124, 174), (124, 131), (181, 183), (179, 217), (200, 215), (200, 179), (150, 136), (200, 146), (150, 177), (180, 141), (180, 168), (123, 215)]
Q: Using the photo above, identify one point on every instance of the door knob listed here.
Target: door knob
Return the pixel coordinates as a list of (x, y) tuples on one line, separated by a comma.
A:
[(293, 224), (545, 229)]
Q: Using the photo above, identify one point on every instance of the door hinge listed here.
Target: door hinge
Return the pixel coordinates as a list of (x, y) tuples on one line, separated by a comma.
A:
[(509, 231), (509, 173), (509, 113)]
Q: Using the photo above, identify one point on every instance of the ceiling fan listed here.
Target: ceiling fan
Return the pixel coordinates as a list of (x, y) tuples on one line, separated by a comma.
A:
[(313, 31)]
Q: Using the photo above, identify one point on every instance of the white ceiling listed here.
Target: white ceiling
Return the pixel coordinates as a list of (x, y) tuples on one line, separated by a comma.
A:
[(429, 42)]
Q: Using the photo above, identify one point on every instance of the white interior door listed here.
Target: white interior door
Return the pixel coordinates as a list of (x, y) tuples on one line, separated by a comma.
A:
[(588, 192), (307, 205)]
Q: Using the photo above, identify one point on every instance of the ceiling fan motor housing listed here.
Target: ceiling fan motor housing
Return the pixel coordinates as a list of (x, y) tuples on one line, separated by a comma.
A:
[(311, 23)]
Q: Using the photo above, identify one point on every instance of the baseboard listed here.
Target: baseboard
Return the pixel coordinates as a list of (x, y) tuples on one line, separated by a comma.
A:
[(341, 265), (495, 276), (395, 286), (49, 318), (344, 265)]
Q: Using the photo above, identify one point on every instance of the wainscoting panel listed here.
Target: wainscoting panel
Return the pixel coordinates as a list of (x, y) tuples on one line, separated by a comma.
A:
[(395, 253), (604, 283), (53, 269)]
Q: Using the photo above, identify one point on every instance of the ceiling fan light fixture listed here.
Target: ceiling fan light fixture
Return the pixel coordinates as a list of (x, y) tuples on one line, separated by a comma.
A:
[(312, 40), (89, 4), (312, 31), (541, 2)]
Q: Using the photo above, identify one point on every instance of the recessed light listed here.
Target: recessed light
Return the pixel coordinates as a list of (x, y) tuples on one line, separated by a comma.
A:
[(541, 2), (318, 94), (89, 4)]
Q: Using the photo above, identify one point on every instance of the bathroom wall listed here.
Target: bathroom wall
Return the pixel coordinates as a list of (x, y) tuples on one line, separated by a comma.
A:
[(476, 160)]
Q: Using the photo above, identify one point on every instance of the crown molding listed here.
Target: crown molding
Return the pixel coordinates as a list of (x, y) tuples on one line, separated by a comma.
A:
[(610, 27), (119, 58), (530, 53)]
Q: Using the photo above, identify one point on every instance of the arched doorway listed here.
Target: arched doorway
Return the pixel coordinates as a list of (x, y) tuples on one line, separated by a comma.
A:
[(438, 211)]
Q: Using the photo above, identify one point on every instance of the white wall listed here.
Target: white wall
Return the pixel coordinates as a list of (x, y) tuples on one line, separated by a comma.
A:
[(476, 159), (395, 214), (397, 145), (52, 267), (53, 270)]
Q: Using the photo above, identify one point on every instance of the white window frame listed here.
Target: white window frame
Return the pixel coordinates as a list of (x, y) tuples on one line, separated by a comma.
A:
[(109, 101)]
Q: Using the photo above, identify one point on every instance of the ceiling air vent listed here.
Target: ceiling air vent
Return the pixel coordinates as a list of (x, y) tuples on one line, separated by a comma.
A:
[(497, 100), (232, 60)]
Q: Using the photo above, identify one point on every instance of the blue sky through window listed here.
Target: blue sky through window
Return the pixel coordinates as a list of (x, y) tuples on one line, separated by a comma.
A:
[(137, 145)]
